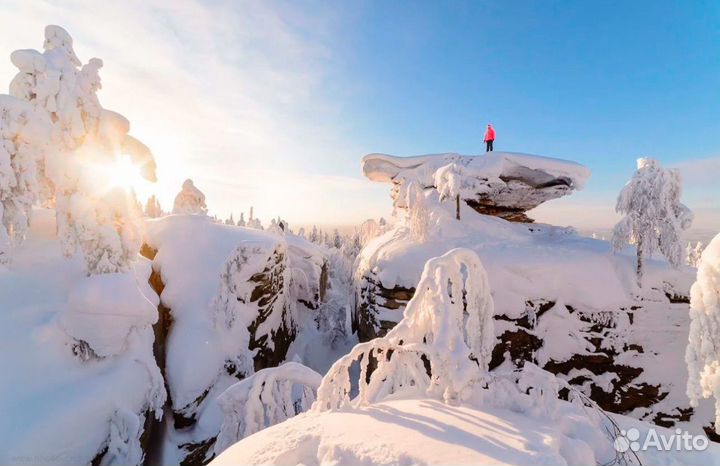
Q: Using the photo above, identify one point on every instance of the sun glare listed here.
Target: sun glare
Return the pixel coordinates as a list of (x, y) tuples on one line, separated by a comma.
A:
[(124, 174)]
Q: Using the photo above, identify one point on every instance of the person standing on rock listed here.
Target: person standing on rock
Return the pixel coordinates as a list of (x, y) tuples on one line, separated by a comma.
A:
[(489, 138)]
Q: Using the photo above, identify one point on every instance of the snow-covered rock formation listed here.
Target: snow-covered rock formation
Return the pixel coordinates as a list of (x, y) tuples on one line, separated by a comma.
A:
[(564, 302), (504, 184), (423, 395), (231, 303)]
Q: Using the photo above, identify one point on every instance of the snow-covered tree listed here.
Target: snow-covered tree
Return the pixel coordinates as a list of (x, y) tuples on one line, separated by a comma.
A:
[(301, 232), (452, 183), (266, 398), (703, 350), (418, 214), (654, 217), (190, 200), (314, 235), (87, 142), (693, 253), (254, 222), (241, 222), (440, 349), (24, 134), (337, 240), (230, 221), (153, 208)]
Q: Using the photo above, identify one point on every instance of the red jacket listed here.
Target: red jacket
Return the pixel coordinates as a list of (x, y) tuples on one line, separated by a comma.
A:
[(489, 134)]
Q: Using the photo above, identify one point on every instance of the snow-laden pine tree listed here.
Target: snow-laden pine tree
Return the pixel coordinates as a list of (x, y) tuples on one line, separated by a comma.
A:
[(88, 140), (337, 240), (24, 134), (654, 217), (190, 200), (314, 235), (241, 221), (703, 350), (153, 208), (230, 220)]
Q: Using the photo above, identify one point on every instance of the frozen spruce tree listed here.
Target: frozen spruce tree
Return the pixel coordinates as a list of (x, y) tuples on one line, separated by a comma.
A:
[(241, 222), (703, 350), (190, 200), (654, 217), (24, 134), (152, 207), (693, 253), (77, 177)]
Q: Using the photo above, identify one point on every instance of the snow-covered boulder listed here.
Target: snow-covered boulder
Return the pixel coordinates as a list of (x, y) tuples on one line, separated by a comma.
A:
[(102, 310), (506, 184)]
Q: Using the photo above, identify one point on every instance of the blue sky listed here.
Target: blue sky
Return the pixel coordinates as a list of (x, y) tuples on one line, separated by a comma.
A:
[(272, 104)]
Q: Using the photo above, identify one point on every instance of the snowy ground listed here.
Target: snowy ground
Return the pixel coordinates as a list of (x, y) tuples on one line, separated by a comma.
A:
[(429, 432)]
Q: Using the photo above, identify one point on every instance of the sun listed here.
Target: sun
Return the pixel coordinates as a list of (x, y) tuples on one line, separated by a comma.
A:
[(124, 174)]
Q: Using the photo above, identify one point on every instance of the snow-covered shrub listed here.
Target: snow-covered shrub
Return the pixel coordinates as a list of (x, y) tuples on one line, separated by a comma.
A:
[(87, 142), (190, 200), (654, 217), (454, 182), (266, 398), (703, 349), (439, 349), (24, 134)]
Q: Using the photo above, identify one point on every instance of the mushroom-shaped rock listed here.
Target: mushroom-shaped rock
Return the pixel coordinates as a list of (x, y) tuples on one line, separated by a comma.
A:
[(505, 184)]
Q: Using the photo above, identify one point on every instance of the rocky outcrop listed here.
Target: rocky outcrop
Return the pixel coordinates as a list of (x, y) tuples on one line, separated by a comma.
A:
[(609, 368), (506, 184), (249, 312)]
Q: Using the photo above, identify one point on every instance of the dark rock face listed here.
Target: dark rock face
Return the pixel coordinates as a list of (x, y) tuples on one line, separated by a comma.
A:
[(517, 196), (373, 297), (269, 286), (615, 386)]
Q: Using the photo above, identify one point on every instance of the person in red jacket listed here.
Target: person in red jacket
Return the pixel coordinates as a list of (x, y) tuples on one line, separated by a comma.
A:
[(489, 138)]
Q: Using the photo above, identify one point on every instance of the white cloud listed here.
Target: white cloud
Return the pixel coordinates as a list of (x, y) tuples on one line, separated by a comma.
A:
[(699, 171)]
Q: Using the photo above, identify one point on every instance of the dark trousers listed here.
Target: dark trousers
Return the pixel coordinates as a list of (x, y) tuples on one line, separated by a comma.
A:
[(489, 146)]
